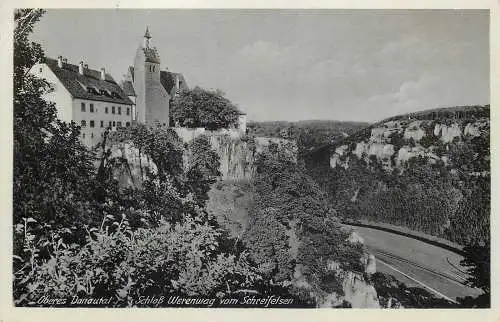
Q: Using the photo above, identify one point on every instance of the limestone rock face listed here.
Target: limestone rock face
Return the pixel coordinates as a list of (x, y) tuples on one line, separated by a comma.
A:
[(132, 169), (448, 133), (394, 143), (359, 293), (236, 157), (355, 238)]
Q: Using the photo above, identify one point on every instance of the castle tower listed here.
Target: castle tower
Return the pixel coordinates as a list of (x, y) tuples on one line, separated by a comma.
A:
[(151, 97)]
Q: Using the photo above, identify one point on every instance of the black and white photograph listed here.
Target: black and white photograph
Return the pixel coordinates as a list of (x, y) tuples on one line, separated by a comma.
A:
[(251, 158)]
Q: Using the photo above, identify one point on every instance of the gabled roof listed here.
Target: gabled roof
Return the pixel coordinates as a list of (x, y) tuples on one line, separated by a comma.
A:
[(90, 85)]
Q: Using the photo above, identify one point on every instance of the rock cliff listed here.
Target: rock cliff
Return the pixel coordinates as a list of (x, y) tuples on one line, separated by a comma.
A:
[(395, 142), (236, 157), (427, 171)]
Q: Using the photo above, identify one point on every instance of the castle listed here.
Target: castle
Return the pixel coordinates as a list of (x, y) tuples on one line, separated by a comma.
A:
[(95, 101)]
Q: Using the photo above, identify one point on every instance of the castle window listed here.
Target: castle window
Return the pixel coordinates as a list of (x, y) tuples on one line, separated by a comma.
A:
[(128, 110), (92, 135), (40, 69), (106, 110), (119, 110), (92, 123), (83, 107), (119, 124), (114, 123), (102, 123), (84, 123), (113, 110), (109, 123), (91, 109), (83, 135), (127, 124)]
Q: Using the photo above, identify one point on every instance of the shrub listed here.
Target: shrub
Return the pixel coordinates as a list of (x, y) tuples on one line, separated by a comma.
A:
[(121, 263)]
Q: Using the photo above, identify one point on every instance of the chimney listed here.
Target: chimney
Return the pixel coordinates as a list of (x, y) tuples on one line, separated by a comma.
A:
[(59, 62), (103, 74), (80, 68)]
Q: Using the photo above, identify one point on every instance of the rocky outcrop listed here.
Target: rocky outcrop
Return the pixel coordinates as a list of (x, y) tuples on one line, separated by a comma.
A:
[(355, 289), (236, 157), (130, 166), (394, 143)]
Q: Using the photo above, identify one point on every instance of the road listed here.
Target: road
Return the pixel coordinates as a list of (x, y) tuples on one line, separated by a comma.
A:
[(417, 263)]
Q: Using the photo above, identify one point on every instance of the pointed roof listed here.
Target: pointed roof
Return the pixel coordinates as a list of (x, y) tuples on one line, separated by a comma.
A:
[(147, 34)]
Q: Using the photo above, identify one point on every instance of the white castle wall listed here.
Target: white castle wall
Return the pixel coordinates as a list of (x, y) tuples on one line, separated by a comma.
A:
[(189, 134)]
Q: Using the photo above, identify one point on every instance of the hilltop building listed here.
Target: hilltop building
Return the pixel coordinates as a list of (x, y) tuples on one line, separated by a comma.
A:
[(150, 87), (95, 101), (90, 98)]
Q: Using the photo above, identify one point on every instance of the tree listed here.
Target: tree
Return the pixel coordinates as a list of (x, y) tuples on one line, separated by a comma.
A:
[(204, 108), (202, 168), (477, 259), (52, 170)]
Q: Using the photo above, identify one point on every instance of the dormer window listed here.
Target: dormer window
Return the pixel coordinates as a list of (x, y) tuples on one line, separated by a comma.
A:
[(105, 92), (93, 90)]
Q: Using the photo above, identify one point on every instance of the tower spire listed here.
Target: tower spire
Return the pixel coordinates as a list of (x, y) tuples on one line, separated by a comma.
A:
[(147, 36)]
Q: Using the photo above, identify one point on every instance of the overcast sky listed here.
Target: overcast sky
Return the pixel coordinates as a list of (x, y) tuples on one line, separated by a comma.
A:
[(361, 65)]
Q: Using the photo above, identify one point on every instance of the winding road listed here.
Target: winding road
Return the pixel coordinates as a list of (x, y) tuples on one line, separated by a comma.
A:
[(417, 263)]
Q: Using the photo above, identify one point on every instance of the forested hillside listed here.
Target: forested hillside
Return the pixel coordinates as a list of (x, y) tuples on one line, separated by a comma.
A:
[(427, 171), (309, 135)]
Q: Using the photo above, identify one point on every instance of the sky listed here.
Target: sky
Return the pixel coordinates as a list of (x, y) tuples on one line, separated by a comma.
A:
[(348, 65)]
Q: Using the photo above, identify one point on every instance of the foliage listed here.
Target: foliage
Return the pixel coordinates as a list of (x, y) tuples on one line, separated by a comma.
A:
[(202, 168), (53, 181), (290, 216), (198, 107), (394, 294), (123, 264), (477, 260)]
